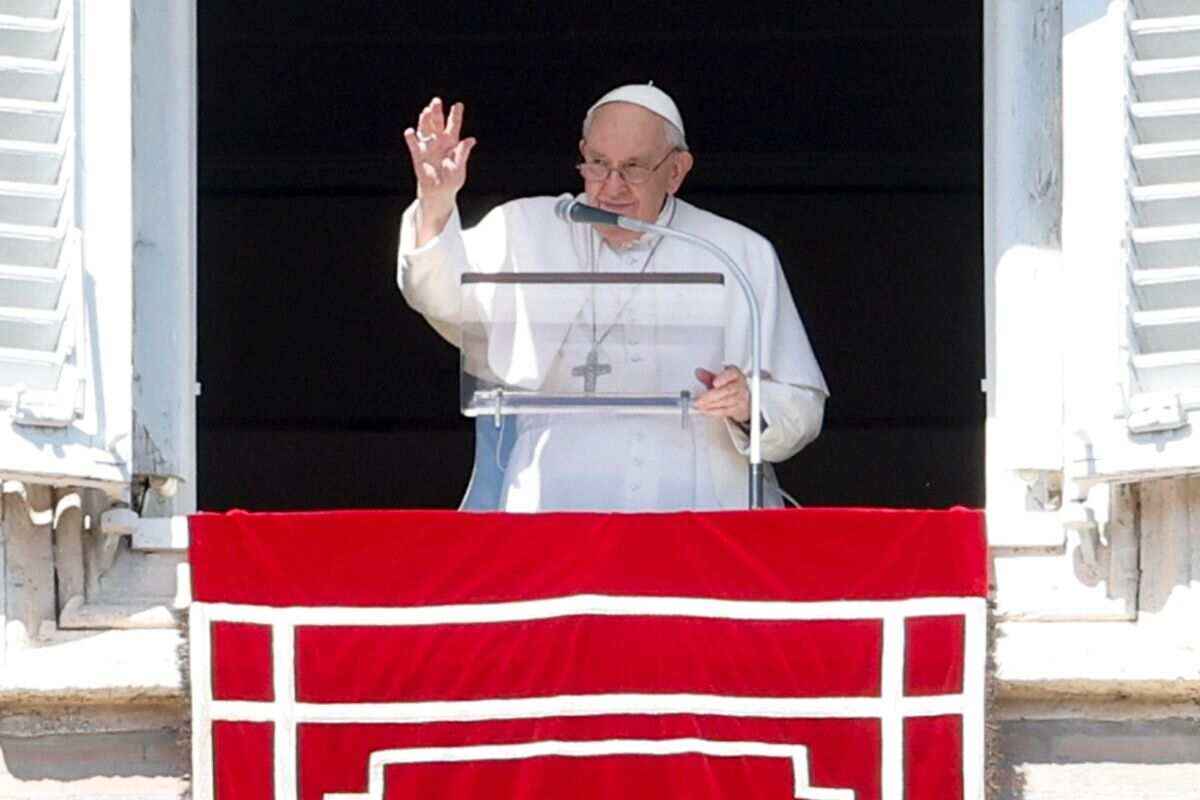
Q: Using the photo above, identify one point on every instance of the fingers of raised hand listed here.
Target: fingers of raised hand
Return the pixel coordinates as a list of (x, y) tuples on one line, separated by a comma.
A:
[(414, 144), (454, 123), (428, 121), (434, 127), (456, 159), (705, 377), (427, 173), (420, 147)]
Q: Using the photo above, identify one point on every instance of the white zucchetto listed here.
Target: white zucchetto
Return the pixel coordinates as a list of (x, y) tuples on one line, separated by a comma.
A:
[(649, 97)]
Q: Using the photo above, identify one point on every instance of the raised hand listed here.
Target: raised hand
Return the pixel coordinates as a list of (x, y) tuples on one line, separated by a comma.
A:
[(439, 158)]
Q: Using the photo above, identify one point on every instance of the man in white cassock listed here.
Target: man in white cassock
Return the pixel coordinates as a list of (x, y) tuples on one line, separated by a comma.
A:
[(634, 160)]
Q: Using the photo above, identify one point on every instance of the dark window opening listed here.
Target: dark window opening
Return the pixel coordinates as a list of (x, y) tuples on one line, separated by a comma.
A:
[(848, 134)]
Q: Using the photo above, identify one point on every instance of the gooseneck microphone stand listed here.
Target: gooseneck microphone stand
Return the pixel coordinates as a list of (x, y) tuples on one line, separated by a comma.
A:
[(573, 210)]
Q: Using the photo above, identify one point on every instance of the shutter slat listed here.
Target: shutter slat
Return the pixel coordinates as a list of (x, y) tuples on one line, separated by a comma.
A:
[(1166, 247), (1167, 162), (30, 78), (30, 204), (1167, 330), (1159, 289), (1164, 238), (1166, 79), (29, 162), (1170, 204), (1165, 8), (1166, 37), (40, 283), (1166, 120), (30, 37), (44, 9)]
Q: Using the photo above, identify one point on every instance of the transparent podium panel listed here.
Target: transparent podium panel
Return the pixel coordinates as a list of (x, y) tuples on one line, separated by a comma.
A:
[(567, 342)]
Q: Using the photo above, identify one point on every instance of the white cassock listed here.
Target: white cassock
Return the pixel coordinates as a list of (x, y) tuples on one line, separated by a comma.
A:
[(631, 462)]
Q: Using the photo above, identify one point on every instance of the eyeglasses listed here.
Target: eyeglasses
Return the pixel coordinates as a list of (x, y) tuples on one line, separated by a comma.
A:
[(633, 174)]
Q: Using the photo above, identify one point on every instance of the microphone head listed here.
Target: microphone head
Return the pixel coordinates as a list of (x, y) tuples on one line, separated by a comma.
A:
[(573, 210), (562, 209)]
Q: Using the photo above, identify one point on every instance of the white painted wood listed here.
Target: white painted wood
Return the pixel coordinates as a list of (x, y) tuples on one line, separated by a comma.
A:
[(31, 120), (1163, 348), (1094, 219), (1166, 79), (1167, 162), (29, 8), (1166, 37), (1131, 238), (1022, 193), (164, 174), (65, 297), (30, 204), (33, 36), (37, 340), (3, 578), (1166, 121), (1165, 8), (28, 162), (1169, 204), (1167, 329), (106, 208), (31, 78)]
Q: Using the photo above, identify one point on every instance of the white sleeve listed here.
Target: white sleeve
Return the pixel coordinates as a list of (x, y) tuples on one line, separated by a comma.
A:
[(428, 276), (793, 414)]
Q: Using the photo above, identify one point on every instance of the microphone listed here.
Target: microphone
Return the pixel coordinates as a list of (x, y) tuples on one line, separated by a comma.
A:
[(569, 209)]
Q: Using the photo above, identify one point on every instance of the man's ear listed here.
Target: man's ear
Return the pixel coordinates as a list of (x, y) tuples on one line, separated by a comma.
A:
[(582, 144), (681, 166)]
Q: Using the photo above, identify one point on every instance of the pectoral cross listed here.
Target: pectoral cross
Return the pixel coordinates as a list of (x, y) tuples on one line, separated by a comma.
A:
[(590, 370)]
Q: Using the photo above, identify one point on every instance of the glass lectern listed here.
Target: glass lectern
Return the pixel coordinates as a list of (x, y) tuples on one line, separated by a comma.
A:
[(595, 343)]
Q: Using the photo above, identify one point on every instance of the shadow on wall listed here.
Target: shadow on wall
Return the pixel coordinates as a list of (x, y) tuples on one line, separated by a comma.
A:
[(1147, 759), (153, 752)]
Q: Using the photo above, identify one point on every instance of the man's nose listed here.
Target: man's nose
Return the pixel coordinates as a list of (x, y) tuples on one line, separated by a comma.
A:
[(614, 183)]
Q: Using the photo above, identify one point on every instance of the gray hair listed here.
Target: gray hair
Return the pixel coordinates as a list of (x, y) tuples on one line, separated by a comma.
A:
[(673, 135)]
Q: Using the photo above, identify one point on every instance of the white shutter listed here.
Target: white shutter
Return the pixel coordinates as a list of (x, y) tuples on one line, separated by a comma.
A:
[(1164, 253), (40, 288), (1131, 223), (65, 330)]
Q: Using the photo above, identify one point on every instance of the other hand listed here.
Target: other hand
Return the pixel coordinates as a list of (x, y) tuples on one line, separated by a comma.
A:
[(728, 394)]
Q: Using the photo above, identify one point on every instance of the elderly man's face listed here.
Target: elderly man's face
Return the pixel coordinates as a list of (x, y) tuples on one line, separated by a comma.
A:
[(624, 134)]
